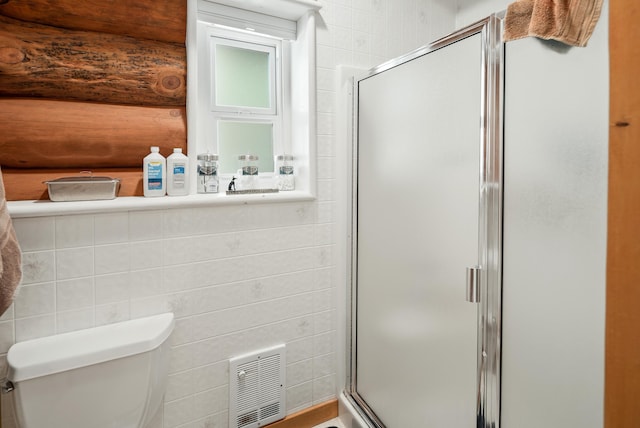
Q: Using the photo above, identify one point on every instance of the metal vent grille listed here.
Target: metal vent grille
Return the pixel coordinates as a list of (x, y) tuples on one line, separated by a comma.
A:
[(256, 386)]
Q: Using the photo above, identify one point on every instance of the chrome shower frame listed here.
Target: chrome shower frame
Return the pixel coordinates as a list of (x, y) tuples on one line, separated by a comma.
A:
[(490, 224)]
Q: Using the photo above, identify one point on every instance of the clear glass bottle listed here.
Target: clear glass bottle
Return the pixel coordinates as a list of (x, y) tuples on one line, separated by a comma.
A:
[(208, 180), (248, 171), (285, 178)]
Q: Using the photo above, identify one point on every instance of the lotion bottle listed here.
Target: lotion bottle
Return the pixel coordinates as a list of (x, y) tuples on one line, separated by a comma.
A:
[(154, 171), (177, 174)]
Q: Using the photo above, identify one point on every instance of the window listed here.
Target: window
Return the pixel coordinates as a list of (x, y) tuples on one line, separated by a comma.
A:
[(245, 99), (245, 68)]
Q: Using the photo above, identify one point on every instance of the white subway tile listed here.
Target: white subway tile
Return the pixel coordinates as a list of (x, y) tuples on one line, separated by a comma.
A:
[(75, 294), (210, 376), (324, 234), (343, 38), (112, 313), (7, 338), (182, 331), (325, 57), (298, 350), (324, 36), (181, 304), (324, 365), (326, 168), (325, 147), (361, 22), (74, 231), (324, 278), (326, 190), (361, 6), (112, 288), (343, 16), (325, 102), (182, 222), (299, 397), (34, 300), (178, 412), (38, 266), (325, 321), (147, 283), (324, 343), (145, 254), (35, 234), (8, 314), (211, 401), (344, 56), (326, 124), (111, 228), (299, 372), (148, 306), (219, 420), (145, 225), (326, 78), (323, 300), (324, 388), (74, 320), (74, 263), (35, 327), (111, 258), (181, 357), (179, 385)]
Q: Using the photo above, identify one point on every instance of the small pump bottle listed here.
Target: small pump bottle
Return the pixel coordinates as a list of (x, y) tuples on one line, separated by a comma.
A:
[(154, 173), (177, 174)]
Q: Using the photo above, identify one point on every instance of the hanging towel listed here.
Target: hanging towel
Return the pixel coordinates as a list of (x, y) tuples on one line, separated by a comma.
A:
[(10, 256), (568, 21)]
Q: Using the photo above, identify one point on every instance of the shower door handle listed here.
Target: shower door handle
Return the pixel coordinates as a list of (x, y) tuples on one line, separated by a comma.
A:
[(473, 284)]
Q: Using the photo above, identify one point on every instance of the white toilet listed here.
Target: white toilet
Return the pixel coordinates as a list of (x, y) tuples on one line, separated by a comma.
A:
[(112, 376)]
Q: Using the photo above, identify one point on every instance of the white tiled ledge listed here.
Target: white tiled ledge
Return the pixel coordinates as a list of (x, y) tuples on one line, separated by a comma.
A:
[(23, 209)]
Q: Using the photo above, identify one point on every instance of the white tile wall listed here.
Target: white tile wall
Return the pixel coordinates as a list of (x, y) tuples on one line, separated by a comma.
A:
[(238, 278)]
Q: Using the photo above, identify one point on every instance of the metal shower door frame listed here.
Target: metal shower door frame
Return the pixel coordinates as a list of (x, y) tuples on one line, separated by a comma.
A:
[(490, 223)]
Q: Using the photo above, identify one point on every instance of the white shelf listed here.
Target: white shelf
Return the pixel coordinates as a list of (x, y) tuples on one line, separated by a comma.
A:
[(24, 209)]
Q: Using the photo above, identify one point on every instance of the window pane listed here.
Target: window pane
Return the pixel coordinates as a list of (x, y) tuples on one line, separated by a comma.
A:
[(242, 138), (242, 77)]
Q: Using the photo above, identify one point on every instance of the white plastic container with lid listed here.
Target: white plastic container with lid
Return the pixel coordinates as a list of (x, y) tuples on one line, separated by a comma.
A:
[(154, 170), (177, 174)]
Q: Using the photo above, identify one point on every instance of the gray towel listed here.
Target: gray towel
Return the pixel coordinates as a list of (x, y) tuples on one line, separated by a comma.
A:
[(568, 21), (10, 256)]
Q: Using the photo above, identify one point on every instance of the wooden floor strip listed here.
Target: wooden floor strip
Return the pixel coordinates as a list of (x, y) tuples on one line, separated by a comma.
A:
[(309, 417)]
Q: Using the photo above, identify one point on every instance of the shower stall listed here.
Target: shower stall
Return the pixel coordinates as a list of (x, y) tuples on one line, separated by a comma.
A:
[(426, 235), (476, 267)]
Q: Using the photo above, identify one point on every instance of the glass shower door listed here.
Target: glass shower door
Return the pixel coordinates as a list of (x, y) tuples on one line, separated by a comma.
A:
[(418, 222)]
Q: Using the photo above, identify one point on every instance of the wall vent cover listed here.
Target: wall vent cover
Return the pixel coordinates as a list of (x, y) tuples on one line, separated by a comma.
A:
[(257, 388)]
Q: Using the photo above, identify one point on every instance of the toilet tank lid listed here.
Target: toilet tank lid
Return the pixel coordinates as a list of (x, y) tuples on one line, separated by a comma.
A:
[(67, 351)]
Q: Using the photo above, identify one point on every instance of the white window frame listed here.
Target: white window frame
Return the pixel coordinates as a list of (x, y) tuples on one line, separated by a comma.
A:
[(276, 114), (292, 23), (217, 36)]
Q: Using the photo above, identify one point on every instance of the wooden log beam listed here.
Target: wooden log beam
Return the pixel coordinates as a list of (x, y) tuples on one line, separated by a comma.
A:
[(28, 184), (37, 133), (48, 62), (146, 19)]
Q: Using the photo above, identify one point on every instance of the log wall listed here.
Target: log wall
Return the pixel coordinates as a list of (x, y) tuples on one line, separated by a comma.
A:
[(88, 86)]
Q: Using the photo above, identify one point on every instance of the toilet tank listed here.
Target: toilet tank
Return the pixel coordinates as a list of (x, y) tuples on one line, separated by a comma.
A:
[(112, 376)]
